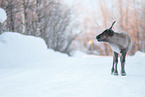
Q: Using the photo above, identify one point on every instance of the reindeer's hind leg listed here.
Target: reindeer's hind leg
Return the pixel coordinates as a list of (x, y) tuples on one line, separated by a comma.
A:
[(115, 61), (122, 59)]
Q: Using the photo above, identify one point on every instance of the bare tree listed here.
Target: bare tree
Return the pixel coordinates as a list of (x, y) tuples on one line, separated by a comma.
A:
[(48, 19)]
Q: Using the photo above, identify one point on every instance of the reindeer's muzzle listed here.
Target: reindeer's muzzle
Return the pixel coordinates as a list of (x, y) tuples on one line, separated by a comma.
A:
[(98, 38)]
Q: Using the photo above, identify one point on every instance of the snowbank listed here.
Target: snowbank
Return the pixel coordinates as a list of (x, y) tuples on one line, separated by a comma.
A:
[(139, 53), (3, 15), (20, 50)]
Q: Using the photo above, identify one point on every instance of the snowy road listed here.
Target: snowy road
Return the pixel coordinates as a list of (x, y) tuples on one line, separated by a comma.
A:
[(29, 69), (86, 76)]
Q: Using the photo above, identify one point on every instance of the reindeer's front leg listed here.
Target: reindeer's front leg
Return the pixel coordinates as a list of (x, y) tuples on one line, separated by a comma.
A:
[(122, 59), (115, 61)]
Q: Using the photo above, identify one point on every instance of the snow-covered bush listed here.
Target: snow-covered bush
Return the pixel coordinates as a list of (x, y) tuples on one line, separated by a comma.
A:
[(3, 15)]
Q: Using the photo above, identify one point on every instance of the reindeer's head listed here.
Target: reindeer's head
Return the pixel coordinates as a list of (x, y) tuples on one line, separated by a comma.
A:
[(104, 36)]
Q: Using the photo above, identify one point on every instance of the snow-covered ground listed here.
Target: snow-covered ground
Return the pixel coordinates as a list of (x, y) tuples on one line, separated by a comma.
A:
[(29, 69)]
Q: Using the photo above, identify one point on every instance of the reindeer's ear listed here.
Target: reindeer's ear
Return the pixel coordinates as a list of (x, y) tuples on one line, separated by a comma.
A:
[(112, 25)]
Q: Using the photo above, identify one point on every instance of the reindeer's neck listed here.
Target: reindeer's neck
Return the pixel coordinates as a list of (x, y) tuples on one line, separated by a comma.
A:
[(118, 42)]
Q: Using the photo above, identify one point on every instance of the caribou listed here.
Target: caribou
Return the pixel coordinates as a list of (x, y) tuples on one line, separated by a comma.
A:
[(120, 43)]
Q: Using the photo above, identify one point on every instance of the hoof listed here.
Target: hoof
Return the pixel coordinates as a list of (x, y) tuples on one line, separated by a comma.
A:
[(116, 73), (123, 74), (112, 70)]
